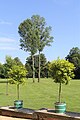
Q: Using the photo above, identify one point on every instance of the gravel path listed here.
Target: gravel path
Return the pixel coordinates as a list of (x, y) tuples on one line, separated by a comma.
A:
[(11, 118)]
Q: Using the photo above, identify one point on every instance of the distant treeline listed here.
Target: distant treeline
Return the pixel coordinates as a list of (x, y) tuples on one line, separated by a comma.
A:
[(73, 57)]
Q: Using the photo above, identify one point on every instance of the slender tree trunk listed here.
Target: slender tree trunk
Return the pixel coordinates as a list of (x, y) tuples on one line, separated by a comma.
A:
[(18, 91), (39, 69), (33, 68), (59, 92)]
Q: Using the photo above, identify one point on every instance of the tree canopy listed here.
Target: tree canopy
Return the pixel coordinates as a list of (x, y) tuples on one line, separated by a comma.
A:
[(9, 63), (74, 57), (61, 70)]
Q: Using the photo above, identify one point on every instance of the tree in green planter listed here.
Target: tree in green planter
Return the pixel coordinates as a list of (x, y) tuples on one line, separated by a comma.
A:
[(17, 76), (62, 72)]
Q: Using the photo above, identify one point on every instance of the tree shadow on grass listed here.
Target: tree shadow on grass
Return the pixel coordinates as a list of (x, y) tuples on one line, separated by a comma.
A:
[(2, 93)]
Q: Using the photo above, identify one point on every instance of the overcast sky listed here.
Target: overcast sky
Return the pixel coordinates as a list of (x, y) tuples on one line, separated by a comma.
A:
[(62, 15)]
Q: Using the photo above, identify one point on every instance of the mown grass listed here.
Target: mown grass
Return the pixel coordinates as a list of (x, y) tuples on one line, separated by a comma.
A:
[(42, 95)]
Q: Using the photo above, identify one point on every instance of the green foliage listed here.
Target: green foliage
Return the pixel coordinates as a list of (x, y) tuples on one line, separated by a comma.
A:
[(42, 32), (17, 75), (26, 31), (9, 63), (74, 57), (61, 71), (17, 61), (2, 71)]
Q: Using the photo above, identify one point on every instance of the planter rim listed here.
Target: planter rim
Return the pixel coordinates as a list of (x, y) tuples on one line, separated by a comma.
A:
[(60, 103), (18, 100)]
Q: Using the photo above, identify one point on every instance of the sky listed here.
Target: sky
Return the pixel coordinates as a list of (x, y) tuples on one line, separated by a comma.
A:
[(62, 15)]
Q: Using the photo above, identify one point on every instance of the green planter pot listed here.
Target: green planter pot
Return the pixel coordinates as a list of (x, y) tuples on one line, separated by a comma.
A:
[(18, 104), (60, 107)]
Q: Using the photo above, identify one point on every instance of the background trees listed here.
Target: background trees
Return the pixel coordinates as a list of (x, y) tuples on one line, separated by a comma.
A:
[(74, 57), (43, 61), (9, 63), (34, 37), (2, 71)]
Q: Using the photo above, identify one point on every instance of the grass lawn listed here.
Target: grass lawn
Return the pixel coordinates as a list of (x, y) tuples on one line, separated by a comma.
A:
[(42, 95)]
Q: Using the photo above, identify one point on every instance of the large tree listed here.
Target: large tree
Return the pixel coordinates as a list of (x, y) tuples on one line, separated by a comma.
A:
[(34, 36), (26, 31), (42, 36), (74, 57)]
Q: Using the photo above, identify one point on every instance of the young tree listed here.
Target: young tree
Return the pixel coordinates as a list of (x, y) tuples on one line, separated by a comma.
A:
[(62, 72), (17, 76), (43, 37)]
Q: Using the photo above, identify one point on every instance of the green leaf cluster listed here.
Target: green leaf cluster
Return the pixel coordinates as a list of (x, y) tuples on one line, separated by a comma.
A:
[(61, 71), (74, 56), (17, 75), (34, 34)]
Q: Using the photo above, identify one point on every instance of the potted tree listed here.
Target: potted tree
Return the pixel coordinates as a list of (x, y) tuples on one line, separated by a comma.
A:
[(62, 72), (17, 75)]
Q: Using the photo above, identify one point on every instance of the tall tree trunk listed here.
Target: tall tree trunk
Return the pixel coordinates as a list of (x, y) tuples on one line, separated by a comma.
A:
[(33, 68), (39, 68), (18, 91), (59, 92)]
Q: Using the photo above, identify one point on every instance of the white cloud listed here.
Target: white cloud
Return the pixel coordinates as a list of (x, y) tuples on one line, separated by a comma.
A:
[(3, 39), (5, 23), (8, 48), (8, 44)]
